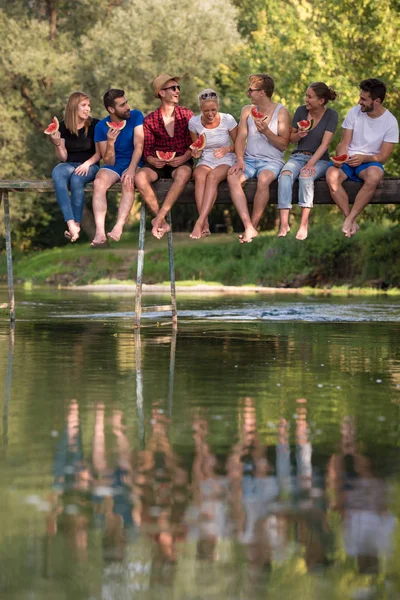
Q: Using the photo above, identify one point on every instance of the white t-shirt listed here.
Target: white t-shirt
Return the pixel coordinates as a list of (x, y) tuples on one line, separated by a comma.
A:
[(368, 133)]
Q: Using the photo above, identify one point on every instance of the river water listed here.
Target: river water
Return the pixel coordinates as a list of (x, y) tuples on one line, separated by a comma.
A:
[(255, 454)]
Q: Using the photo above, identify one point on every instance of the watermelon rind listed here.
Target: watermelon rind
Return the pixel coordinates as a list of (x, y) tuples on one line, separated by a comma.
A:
[(341, 158), (166, 156), (305, 127), (200, 143), (116, 124), (256, 114), (53, 127)]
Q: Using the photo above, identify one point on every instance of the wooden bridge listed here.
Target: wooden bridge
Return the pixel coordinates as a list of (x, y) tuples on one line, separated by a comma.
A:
[(388, 192)]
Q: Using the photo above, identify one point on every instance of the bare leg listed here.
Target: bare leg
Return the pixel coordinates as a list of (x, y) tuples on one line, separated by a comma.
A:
[(261, 198), (371, 176), (143, 180), (125, 205), (104, 180), (214, 178), (239, 199), (200, 177), (284, 226), (334, 178), (180, 177), (303, 229)]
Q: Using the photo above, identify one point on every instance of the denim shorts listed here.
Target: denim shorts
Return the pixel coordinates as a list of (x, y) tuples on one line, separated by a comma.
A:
[(352, 172), (118, 168), (254, 166)]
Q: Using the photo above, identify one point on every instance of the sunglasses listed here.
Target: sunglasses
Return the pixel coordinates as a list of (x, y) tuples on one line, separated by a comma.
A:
[(254, 90), (173, 87), (208, 95)]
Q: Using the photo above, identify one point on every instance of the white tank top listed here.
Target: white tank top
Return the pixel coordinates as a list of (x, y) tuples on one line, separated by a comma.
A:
[(258, 145)]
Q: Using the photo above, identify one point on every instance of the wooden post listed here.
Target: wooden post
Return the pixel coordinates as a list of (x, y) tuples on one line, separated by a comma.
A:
[(171, 371), (139, 387), (172, 274), (140, 263), (10, 277)]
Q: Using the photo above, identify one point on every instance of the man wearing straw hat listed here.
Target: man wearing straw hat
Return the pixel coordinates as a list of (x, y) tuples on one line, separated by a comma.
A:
[(166, 130)]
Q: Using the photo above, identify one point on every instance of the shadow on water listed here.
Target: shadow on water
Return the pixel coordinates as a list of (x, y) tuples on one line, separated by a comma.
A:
[(230, 460)]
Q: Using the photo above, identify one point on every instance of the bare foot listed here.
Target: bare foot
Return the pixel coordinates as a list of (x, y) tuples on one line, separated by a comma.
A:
[(283, 231), (197, 232), (249, 234), (348, 227), (354, 228), (205, 232), (98, 242), (73, 231), (159, 228), (115, 233), (302, 232)]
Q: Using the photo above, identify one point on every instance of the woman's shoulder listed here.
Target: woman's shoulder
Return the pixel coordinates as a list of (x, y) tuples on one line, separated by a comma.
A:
[(227, 117), (195, 122)]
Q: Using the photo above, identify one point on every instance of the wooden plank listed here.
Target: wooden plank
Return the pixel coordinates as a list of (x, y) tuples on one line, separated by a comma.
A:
[(388, 191)]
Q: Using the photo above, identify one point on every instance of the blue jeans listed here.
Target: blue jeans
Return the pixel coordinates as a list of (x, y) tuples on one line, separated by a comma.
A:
[(65, 179), (306, 184)]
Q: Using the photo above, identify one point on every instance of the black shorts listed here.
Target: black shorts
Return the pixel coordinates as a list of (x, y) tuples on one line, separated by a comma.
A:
[(166, 171)]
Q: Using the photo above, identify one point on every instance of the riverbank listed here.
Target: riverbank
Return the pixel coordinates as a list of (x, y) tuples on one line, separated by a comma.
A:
[(325, 261)]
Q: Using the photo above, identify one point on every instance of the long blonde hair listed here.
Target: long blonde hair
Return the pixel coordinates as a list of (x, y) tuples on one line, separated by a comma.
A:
[(71, 112)]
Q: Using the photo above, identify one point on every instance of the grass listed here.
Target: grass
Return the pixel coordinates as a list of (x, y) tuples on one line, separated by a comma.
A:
[(326, 261)]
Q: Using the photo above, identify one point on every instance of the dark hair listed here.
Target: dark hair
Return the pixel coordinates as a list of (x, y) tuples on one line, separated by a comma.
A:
[(375, 87), (263, 81), (323, 91), (111, 96)]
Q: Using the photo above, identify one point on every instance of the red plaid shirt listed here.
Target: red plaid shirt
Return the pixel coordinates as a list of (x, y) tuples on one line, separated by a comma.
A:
[(156, 136)]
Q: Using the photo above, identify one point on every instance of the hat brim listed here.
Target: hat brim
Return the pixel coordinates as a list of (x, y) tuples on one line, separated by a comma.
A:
[(165, 82)]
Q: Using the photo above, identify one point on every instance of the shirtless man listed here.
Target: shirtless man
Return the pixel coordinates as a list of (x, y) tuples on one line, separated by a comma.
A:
[(121, 152), (262, 155), (165, 129), (369, 134)]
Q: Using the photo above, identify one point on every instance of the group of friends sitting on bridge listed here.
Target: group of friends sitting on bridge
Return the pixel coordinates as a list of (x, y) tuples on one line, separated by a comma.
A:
[(138, 150)]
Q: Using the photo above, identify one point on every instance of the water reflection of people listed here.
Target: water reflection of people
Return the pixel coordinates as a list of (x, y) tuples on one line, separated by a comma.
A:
[(112, 486), (161, 489), (208, 515), (362, 498), (70, 499)]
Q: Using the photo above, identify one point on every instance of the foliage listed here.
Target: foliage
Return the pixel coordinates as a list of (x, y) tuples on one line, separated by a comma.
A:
[(52, 47)]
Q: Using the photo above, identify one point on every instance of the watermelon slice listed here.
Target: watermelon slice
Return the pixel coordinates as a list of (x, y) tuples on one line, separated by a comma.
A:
[(116, 124), (341, 158), (53, 127), (200, 143), (165, 155), (305, 125), (256, 113)]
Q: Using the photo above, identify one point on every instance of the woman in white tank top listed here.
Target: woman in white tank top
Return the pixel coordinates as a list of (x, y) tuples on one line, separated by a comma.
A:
[(215, 159)]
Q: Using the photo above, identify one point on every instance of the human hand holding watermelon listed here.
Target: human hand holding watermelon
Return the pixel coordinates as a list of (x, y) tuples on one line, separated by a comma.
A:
[(198, 146), (339, 160)]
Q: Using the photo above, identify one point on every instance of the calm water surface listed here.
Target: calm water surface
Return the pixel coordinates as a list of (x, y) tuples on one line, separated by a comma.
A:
[(254, 455)]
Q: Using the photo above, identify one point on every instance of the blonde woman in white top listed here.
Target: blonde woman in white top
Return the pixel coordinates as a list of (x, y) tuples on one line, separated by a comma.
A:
[(215, 159)]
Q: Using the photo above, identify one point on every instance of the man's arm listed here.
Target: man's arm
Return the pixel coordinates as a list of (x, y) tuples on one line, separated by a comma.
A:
[(138, 143), (384, 154), (109, 147), (240, 142), (281, 139)]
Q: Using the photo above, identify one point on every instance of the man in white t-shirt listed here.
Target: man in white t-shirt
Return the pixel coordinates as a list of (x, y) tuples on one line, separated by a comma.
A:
[(369, 134)]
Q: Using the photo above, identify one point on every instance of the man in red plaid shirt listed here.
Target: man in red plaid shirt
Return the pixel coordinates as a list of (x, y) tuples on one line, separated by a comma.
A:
[(166, 130)]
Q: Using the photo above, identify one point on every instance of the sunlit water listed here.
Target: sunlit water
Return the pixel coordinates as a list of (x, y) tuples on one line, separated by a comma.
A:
[(254, 455)]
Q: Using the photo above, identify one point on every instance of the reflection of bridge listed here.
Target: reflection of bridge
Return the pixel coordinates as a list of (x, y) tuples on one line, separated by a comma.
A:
[(388, 192)]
